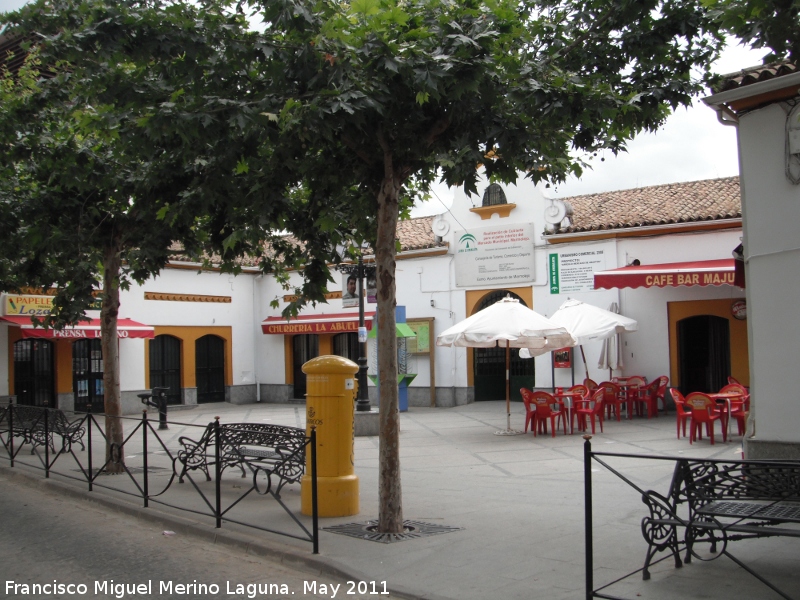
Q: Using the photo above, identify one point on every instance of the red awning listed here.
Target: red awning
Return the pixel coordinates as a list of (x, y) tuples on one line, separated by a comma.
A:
[(701, 272), (126, 328), (330, 323)]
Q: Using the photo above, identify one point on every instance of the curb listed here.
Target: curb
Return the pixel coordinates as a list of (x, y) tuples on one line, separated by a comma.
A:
[(313, 563)]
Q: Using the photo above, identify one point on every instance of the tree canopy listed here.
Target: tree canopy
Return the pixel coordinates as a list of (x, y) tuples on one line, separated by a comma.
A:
[(170, 121)]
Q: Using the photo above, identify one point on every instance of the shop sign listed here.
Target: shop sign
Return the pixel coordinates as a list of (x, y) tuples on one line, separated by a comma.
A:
[(570, 272), (562, 358), (494, 256), (297, 328), (32, 306)]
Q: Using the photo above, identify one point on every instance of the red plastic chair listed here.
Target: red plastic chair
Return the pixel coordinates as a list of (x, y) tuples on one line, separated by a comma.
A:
[(684, 413), (704, 412), (530, 408), (635, 393), (544, 410), (590, 384), (577, 401), (648, 398), (740, 408), (591, 409), (613, 399), (662, 391)]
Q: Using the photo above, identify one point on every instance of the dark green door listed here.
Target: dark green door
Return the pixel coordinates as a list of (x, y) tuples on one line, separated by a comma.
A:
[(87, 375), (305, 347), (34, 373), (165, 366), (210, 369), (489, 364)]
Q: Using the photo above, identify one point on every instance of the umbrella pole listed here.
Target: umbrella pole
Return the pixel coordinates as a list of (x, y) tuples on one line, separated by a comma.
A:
[(508, 387), (585, 366), (508, 430)]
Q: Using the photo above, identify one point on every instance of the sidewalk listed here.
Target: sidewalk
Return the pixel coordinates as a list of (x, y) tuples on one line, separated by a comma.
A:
[(518, 501)]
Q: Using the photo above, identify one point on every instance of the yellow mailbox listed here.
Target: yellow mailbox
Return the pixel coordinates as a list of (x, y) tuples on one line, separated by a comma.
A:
[(331, 388)]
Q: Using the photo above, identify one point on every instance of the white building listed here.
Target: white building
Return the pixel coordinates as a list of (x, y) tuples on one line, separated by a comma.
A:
[(764, 104), (217, 337)]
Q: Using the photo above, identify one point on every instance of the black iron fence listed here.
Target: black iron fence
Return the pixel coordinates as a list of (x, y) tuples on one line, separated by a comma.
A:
[(153, 466)]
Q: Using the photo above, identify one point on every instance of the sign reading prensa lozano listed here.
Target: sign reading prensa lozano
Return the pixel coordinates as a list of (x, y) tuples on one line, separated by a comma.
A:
[(494, 255)]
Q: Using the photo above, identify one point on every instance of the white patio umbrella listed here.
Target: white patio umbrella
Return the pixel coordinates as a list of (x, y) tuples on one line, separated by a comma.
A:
[(508, 324), (587, 323), (611, 353)]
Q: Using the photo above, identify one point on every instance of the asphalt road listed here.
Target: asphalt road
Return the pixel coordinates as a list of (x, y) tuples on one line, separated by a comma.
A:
[(73, 548)]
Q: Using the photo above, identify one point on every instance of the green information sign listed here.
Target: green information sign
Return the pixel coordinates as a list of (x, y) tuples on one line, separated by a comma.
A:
[(552, 265), (420, 344)]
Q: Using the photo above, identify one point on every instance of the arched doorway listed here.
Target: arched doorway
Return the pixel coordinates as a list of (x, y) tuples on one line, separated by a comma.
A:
[(165, 366), (87, 375), (210, 368), (489, 364), (34, 373), (704, 353), (304, 348)]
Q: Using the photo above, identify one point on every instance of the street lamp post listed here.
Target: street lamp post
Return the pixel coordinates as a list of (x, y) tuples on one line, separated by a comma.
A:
[(361, 271)]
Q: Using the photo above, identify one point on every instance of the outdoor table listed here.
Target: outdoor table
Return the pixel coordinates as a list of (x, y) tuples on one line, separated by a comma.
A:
[(628, 389), (726, 397), (566, 395)]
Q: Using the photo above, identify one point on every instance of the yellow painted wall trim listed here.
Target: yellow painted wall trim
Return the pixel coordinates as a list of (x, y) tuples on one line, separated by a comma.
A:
[(185, 297), (486, 212), (677, 311)]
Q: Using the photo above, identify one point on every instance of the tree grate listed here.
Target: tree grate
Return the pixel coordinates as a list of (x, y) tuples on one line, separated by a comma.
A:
[(411, 530)]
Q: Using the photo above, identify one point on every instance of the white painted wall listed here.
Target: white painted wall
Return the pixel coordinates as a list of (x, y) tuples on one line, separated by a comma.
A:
[(239, 314), (771, 211)]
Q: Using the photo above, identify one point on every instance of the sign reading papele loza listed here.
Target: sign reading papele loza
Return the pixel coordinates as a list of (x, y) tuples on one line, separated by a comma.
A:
[(32, 305), (494, 255)]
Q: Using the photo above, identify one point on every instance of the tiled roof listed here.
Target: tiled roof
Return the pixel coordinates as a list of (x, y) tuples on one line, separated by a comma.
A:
[(753, 75), (685, 202), (416, 234)]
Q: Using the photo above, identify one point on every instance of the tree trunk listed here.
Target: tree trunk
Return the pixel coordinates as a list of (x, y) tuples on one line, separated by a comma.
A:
[(109, 313), (390, 515)]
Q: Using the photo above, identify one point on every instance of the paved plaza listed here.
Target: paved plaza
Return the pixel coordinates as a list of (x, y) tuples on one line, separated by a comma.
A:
[(517, 503)]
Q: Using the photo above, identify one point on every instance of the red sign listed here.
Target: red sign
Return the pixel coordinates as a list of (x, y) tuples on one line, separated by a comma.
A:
[(701, 273), (329, 327), (326, 323), (562, 358)]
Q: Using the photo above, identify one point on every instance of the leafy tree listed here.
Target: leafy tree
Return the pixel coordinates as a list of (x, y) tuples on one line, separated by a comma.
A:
[(380, 94), (773, 24), (119, 140)]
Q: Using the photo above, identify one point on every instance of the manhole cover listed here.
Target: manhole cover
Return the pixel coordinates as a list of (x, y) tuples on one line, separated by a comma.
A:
[(411, 530)]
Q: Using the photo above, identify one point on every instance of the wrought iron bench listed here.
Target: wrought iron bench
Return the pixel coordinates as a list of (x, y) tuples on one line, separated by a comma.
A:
[(274, 450), (717, 502), (37, 425)]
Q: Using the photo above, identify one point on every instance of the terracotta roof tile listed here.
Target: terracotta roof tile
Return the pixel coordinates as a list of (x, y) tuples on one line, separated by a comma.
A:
[(684, 202), (751, 75), (416, 234)]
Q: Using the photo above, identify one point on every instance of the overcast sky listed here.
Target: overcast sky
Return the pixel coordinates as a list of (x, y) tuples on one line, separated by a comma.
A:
[(692, 145)]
